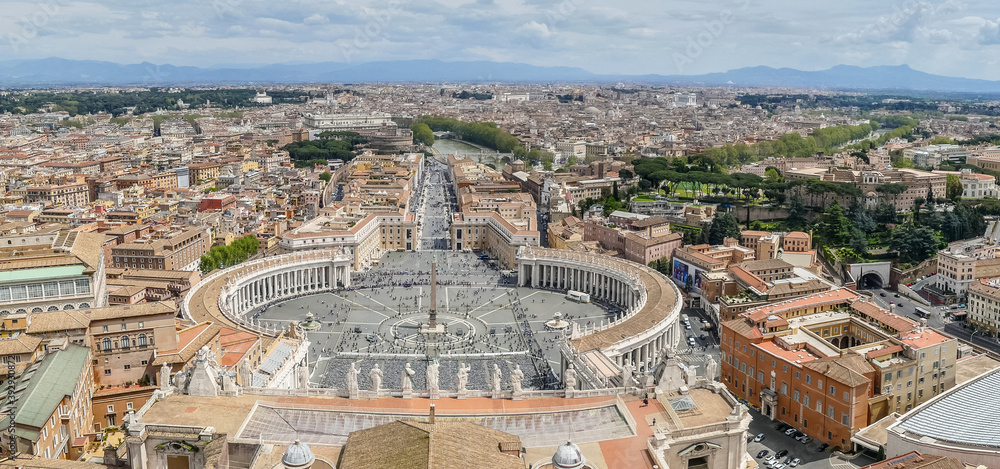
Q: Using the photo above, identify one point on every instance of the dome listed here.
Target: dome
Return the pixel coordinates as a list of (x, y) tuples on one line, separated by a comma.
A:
[(298, 455), (568, 456)]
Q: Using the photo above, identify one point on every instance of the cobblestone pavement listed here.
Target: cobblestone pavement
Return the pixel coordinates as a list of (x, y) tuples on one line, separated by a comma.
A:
[(487, 319)]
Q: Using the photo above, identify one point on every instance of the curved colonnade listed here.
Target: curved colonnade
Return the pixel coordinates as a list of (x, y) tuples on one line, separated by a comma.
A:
[(225, 296), (650, 302)]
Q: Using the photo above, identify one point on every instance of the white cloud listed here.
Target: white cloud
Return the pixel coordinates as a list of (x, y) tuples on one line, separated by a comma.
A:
[(626, 36), (536, 29), (989, 33), (316, 18)]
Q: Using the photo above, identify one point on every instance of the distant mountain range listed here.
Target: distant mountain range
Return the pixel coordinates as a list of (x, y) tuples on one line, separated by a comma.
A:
[(63, 72)]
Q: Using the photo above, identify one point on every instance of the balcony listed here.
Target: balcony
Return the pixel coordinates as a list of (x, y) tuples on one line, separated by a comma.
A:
[(101, 350)]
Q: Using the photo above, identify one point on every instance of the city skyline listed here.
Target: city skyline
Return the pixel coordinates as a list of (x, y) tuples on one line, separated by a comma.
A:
[(947, 38)]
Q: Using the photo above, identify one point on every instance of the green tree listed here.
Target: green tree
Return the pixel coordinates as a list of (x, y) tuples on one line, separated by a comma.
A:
[(835, 228), (885, 213), (625, 174), (796, 213), (422, 134), (858, 242), (772, 175), (611, 204), (725, 225), (914, 243), (954, 188), (326, 176)]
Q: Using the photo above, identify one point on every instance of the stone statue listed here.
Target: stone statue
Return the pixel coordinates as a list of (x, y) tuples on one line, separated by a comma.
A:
[(228, 385), (497, 377), (515, 379), (669, 352), (569, 378), (462, 377), (432, 376), (710, 368), (246, 374), (352, 379), (164, 377), (303, 376), (180, 381), (376, 377), (627, 372), (406, 377)]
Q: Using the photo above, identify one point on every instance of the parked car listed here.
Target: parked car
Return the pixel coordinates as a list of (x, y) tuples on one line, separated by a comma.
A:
[(789, 460), (795, 462), (783, 426), (781, 454), (881, 294), (805, 439), (770, 460), (790, 431), (822, 448), (762, 453), (759, 437), (896, 295)]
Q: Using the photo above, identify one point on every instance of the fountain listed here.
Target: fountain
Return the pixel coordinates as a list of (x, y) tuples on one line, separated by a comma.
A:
[(557, 322)]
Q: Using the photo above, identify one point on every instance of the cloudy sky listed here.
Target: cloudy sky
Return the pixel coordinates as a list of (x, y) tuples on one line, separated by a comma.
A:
[(948, 37)]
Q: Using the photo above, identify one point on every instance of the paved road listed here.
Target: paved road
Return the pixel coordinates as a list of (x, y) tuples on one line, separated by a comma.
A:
[(808, 453), (437, 203), (543, 228), (938, 320)]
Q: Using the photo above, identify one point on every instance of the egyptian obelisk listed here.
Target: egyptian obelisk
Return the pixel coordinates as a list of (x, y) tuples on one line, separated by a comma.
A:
[(434, 267), (432, 327)]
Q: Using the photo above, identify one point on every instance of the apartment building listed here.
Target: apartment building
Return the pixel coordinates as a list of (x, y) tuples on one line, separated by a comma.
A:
[(638, 238), (365, 236), (68, 195), (831, 364), (200, 172), (960, 264), (53, 406), (492, 234), (918, 183), (173, 248), (984, 304), (690, 262), (165, 180), (931, 156), (975, 185)]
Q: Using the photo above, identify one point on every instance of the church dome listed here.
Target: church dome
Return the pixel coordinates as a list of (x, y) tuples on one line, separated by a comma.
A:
[(568, 456), (298, 456)]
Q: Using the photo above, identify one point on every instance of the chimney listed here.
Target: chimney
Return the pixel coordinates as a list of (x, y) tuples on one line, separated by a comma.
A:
[(430, 420)]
